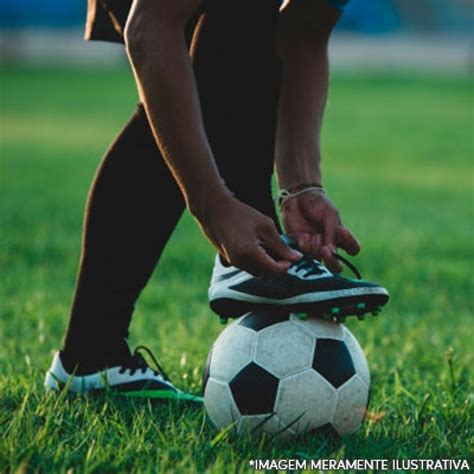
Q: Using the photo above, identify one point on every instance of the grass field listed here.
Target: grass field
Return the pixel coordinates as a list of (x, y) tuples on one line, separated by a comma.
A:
[(398, 161)]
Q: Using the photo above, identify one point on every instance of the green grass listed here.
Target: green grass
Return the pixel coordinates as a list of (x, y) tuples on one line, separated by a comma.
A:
[(398, 161)]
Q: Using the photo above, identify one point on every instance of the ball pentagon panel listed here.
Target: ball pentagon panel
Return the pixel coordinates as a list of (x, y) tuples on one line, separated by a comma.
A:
[(333, 361), (254, 390)]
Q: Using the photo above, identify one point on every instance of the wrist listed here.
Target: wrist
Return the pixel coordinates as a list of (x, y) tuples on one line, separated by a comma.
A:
[(202, 201), (297, 169), (285, 195), (296, 183)]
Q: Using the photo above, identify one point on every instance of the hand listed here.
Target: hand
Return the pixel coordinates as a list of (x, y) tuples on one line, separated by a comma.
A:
[(245, 238), (313, 221)]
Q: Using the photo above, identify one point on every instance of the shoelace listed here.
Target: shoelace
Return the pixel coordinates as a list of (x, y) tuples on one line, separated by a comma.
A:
[(314, 267), (310, 265), (138, 362)]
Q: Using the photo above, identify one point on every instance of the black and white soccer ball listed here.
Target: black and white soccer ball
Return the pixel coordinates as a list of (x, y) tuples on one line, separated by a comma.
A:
[(278, 374)]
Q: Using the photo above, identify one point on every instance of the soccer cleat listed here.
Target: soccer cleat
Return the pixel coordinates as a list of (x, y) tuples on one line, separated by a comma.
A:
[(133, 378), (307, 287)]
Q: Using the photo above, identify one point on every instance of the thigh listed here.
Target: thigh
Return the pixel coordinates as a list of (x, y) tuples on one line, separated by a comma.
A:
[(238, 76)]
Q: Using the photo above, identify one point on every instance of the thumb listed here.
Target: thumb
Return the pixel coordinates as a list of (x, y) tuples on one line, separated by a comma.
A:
[(278, 249)]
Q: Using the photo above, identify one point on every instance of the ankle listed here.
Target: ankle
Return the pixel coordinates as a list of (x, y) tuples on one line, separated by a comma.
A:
[(85, 363)]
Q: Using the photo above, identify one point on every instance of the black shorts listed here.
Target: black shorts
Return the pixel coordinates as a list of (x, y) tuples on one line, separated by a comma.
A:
[(106, 19)]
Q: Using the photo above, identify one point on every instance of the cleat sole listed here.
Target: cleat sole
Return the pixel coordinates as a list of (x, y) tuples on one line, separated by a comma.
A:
[(330, 310)]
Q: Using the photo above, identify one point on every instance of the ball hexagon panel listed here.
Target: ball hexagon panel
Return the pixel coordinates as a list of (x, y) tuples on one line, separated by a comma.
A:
[(358, 357), (232, 351), (219, 403), (284, 348), (305, 401), (207, 369), (333, 361), (320, 328), (351, 406), (258, 320), (254, 390)]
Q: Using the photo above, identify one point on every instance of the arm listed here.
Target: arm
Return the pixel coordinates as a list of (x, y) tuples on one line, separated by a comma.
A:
[(165, 80), (311, 217), (157, 51)]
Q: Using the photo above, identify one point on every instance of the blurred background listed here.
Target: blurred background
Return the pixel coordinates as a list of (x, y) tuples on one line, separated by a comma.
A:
[(382, 34), (398, 147)]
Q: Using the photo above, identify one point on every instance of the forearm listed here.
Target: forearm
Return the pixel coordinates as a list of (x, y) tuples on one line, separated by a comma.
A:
[(166, 84), (302, 101), (302, 44)]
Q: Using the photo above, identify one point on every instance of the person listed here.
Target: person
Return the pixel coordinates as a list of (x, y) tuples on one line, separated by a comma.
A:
[(228, 91)]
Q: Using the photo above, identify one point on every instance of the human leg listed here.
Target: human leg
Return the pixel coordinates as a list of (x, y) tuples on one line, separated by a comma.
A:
[(238, 76), (132, 209)]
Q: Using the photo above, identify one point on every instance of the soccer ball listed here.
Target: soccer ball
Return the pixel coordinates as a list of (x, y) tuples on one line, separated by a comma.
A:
[(278, 374)]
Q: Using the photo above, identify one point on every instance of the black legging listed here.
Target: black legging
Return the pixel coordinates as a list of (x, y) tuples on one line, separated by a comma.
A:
[(134, 203)]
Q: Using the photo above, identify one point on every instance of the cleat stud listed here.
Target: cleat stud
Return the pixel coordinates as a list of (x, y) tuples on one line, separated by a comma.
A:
[(224, 321), (361, 306), (376, 312), (335, 311), (360, 317), (303, 316)]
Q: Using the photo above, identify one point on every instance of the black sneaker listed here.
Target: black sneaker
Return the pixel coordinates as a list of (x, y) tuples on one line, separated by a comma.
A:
[(308, 287), (133, 378)]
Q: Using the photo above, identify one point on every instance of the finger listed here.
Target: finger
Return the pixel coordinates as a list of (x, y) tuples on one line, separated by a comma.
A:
[(316, 245), (331, 227), (293, 225), (276, 248), (260, 264), (224, 259), (303, 240), (347, 241), (331, 262)]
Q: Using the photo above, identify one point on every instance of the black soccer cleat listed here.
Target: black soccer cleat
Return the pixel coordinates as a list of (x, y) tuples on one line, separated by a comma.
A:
[(308, 287), (133, 378)]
